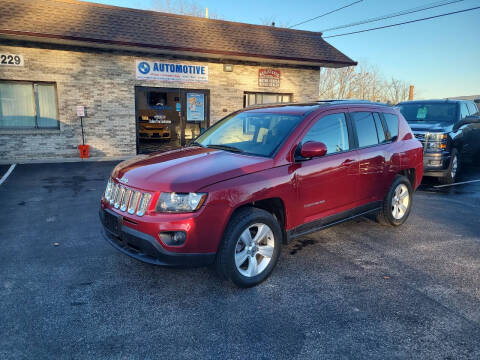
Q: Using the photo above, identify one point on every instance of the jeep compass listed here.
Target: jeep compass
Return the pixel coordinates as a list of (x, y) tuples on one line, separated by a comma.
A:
[(260, 178)]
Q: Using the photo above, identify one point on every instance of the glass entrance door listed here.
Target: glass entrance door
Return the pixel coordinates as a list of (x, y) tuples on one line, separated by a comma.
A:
[(168, 119)]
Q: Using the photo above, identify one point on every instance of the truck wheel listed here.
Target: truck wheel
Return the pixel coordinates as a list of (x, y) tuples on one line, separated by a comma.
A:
[(250, 248), (397, 204), (453, 169)]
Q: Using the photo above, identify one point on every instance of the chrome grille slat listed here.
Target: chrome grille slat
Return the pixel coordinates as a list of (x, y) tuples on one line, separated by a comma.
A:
[(118, 198), (132, 206), (108, 191), (114, 194), (125, 199)]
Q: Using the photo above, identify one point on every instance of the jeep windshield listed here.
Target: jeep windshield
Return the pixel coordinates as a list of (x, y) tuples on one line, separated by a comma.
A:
[(429, 112), (251, 133)]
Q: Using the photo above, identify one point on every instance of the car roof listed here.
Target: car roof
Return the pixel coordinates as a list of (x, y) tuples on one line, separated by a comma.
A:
[(433, 101), (306, 108)]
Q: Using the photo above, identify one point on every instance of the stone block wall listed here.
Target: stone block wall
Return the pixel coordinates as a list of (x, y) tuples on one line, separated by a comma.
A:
[(104, 82)]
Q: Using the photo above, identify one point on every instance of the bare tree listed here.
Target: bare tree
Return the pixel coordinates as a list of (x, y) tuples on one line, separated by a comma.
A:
[(397, 91), (182, 7), (363, 82)]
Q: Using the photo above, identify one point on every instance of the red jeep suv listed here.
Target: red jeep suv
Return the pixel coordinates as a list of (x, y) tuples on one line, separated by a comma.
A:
[(259, 178)]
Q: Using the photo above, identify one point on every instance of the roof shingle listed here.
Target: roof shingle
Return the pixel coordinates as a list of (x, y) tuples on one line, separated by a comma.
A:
[(101, 24)]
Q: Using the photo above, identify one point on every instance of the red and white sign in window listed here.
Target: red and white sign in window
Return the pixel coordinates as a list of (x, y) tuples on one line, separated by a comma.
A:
[(269, 78)]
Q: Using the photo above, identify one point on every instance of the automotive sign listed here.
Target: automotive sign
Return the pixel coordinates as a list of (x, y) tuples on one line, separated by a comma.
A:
[(165, 71)]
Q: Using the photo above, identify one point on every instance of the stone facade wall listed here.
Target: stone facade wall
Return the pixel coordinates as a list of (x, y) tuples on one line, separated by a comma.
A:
[(104, 82)]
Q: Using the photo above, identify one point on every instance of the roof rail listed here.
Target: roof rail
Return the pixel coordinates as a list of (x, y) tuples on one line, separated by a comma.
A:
[(352, 101)]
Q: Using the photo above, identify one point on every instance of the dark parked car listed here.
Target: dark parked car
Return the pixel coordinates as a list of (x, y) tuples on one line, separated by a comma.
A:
[(449, 131), (259, 178)]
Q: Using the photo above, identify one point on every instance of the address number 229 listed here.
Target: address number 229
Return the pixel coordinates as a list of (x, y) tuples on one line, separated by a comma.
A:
[(11, 60)]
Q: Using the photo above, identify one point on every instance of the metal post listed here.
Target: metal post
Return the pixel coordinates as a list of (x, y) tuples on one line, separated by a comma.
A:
[(410, 93), (83, 134)]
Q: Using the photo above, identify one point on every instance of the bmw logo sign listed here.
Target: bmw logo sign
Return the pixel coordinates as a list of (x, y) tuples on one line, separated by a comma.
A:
[(144, 67)]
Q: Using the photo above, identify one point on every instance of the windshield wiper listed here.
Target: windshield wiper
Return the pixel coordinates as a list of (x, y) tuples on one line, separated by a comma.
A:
[(194, 143), (225, 147)]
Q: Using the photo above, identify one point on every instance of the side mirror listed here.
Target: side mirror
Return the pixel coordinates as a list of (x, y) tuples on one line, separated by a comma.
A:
[(471, 119), (313, 149)]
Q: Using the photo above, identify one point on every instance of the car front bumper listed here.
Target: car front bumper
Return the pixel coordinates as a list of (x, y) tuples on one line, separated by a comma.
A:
[(145, 247), (436, 164)]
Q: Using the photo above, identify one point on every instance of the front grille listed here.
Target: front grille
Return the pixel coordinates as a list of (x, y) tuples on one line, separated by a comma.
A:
[(420, 137), (125, 199)]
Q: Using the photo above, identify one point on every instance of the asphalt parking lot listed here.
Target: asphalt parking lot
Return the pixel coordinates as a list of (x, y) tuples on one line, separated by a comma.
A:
[(357, 290)]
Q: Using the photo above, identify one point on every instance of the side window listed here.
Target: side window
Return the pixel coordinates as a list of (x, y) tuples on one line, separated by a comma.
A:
[(366, 129), (463, 110), (332, 131), (472, 107), (392, 125), (380, 131)]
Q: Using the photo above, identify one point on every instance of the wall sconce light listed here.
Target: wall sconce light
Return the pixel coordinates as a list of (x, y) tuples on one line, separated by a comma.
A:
[(227, 67)]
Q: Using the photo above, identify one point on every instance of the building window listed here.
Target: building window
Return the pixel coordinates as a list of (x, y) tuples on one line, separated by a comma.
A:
[(251, 98), (28, 105)]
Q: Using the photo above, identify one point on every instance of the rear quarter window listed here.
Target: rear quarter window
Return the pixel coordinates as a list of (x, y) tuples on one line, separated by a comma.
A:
[(464, 110), (472, 107), (391, 120)]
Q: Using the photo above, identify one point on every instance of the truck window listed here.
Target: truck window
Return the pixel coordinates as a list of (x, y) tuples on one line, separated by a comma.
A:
[(472, 107), (463, 111)]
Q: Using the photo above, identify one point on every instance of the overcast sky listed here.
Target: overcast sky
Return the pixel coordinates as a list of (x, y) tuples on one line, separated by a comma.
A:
[(441, 57)]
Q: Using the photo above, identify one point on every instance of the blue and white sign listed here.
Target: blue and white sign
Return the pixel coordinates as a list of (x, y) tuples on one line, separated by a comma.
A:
[(165, 71), (195, 107)]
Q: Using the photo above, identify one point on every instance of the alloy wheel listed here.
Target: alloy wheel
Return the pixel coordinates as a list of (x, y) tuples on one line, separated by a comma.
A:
[(400, 201), (453, 170), (254, 249)]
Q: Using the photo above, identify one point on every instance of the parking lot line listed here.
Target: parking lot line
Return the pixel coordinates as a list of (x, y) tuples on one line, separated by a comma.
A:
[(459, 183), (7, 174)]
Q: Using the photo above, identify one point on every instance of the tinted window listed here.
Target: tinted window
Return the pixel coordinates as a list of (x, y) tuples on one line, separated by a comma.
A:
[(429, 111), (464, 110), (472, 107), (332, 131), (380, 131), (366, 129), (392, 125)]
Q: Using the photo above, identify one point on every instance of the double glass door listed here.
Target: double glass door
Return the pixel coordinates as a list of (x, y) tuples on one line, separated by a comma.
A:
[(169, 118)]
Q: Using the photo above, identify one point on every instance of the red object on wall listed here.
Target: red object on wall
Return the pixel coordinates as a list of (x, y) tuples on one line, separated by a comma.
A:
[(84, 151), (268, 78)]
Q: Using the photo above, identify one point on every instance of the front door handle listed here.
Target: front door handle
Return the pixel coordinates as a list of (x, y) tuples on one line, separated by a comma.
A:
[(348, 161)]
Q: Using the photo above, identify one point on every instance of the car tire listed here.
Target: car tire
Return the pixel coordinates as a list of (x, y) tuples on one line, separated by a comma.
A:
[(453, 169), (397, 203), (243, 257)]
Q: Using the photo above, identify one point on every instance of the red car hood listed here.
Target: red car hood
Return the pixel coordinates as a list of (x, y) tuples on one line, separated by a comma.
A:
[(186, 170)]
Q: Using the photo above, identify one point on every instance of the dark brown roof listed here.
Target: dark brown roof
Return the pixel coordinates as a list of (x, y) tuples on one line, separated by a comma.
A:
[(74, 21)]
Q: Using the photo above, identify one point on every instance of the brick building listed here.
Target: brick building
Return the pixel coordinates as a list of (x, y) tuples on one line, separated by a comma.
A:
[(145, 79)]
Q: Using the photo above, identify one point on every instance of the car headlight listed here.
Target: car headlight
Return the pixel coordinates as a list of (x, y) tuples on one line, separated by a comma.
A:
[(436, 141), (437, 137), (180, 202)]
